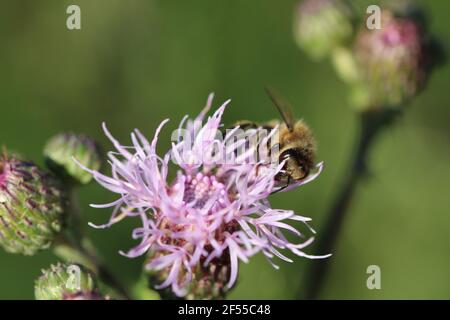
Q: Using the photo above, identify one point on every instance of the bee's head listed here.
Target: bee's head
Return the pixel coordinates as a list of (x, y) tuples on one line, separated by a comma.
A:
[(296, 165)]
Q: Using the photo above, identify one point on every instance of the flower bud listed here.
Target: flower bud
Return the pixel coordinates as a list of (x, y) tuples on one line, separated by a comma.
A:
[(395, 60), (322, 25), (32, 204), (65, 281), (62, 148)]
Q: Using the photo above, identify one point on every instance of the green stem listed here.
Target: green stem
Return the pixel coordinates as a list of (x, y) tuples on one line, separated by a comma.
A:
[(74, 246), (64, 249), (142, 291), (372, 122), (70, 251)]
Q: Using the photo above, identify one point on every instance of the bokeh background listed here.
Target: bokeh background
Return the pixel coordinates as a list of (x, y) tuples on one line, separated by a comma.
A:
[(134, 63)]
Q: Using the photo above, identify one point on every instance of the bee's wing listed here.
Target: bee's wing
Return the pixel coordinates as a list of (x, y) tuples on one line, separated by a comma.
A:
[(283, 107)]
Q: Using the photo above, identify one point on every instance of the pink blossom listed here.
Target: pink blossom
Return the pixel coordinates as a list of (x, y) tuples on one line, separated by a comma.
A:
[(210, 210)]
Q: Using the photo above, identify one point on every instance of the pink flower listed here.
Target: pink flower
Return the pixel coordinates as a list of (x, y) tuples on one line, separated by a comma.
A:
[(212, 210)]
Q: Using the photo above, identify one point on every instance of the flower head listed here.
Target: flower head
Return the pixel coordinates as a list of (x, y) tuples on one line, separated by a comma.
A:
[(32, 206), (215, 213), (396, 59)]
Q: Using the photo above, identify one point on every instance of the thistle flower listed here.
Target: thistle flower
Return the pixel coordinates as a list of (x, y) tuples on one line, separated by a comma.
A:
[(60, 149), (322, 25), (214, 213), (32, 204), (395, 60), (66, 282)]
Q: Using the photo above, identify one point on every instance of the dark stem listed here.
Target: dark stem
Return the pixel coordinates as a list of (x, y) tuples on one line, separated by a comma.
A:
[(371, 123)]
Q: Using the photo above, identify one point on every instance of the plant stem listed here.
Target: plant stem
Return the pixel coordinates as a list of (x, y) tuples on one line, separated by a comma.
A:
[(371, 124), (74, 246), (70, 251), (142, 291)]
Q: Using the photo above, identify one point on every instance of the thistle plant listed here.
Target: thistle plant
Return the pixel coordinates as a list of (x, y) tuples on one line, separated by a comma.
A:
[(385, 69), (203, 205), (197, 223), (215, 213)]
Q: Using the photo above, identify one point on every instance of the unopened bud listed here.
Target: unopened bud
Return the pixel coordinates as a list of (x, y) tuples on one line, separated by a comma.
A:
[(65, 281), (322, 25), (395, 60), (32, 205), (60, 151)]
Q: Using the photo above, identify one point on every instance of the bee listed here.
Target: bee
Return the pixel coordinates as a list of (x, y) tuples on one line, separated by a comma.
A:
[(296, 145)]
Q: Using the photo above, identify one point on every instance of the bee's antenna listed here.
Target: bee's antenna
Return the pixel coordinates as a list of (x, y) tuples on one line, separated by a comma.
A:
[(283, 107)]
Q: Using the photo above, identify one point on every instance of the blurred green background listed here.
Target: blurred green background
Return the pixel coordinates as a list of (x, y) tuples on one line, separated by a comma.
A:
[(134, 63)]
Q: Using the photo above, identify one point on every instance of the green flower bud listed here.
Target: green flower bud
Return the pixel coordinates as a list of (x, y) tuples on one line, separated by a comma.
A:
[(65, 281), (32, 204), (62, 148), (395, 60), (322, 25)]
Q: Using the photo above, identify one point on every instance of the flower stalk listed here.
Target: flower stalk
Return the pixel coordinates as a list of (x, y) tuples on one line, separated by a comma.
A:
[(70, 250), (74, 246), (385, 69), (372, 123)]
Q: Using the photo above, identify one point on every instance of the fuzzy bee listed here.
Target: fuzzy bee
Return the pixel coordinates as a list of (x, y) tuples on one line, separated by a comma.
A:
[(296, 145)]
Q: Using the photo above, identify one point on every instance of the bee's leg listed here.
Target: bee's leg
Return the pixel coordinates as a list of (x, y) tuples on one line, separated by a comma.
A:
[(288, 182)]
